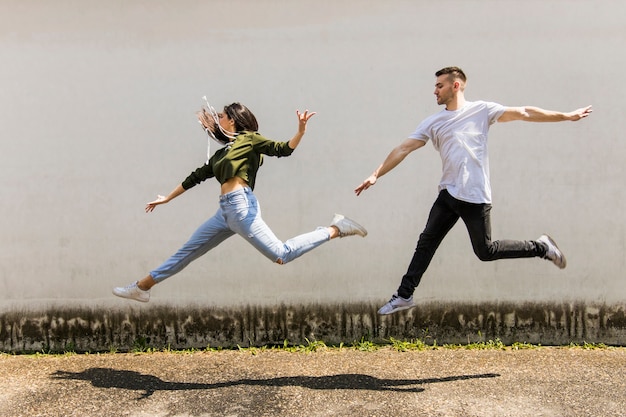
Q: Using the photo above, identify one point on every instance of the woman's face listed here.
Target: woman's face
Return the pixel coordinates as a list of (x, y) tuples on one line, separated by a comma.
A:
[(226, 122)]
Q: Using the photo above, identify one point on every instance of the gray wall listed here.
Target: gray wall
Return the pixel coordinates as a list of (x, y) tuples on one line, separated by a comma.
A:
[(97, 117)]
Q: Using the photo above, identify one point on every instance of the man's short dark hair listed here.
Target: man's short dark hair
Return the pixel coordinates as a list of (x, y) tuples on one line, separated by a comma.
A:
[(453, 72)]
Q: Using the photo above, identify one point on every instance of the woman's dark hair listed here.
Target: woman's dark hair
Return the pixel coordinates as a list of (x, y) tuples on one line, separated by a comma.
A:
[(242, 116)]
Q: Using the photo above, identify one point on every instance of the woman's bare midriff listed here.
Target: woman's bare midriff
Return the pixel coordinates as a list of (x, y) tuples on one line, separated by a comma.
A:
[(233, 184)]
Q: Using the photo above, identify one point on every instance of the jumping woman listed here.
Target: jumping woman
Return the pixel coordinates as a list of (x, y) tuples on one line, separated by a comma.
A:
[(235, 166)]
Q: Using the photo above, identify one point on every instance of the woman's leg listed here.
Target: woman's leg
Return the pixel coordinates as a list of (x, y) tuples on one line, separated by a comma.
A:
[(210, 234), (243, 215), (206, 237)]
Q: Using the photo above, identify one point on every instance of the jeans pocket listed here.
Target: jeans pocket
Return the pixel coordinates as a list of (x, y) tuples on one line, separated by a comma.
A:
[(239, 205)]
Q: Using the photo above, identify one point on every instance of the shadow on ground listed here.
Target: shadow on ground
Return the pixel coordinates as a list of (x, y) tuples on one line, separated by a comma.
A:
[(149, 384)]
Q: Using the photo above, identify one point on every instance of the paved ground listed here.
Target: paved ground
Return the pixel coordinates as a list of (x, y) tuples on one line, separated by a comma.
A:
[(444, 382)]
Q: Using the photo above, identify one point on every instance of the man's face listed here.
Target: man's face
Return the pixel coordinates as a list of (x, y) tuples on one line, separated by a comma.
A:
[(444, 89)]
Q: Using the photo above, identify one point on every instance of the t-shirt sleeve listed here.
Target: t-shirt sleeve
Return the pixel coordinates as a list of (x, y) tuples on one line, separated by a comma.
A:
[(495, 110), (421, 132)]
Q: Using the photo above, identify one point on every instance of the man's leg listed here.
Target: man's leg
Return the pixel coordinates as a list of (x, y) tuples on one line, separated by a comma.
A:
[(440, 220), (477, 218)]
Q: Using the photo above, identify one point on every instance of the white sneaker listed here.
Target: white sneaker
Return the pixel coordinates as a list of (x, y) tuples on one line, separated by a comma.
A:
[(348, 227), (553, 253), (133, 292), (396, 304)]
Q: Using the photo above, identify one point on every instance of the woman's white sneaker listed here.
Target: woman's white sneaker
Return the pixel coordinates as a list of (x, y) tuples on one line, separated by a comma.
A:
[(132, 292), (348, 227)]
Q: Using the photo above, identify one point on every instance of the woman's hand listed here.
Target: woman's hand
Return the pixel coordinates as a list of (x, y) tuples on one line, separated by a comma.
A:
[(206, 120), (302, 119), (160, 200)]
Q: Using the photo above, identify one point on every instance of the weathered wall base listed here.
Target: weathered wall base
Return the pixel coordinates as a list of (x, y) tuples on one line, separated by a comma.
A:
[(87, 329)]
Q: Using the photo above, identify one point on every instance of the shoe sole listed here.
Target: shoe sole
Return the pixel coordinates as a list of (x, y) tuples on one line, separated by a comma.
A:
[(130, 298), (563, 262), (358, 226), (395, 310)]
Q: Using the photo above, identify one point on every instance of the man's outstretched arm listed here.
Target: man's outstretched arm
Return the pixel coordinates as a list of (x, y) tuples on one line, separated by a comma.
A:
[(396, 156), (536, 114)]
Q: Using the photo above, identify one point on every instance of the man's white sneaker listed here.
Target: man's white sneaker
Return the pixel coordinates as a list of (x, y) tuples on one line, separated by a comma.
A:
[(133, 292), (396, 304), (553, 253), (348, 227)]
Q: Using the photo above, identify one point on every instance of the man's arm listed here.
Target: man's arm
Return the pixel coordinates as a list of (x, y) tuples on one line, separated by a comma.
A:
[(394, 158), (536, 114)]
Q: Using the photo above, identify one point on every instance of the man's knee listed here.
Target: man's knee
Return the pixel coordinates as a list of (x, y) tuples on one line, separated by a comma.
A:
[(484, 254)]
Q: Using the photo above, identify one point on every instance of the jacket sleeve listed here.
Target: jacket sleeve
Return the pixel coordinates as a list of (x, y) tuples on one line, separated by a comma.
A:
[(199, 175), (271, 148)]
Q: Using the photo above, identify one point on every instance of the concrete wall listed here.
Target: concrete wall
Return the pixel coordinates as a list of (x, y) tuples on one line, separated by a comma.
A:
[(88, 329), (97, 117)]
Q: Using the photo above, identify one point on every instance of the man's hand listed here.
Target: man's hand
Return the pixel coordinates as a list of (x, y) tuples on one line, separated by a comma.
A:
[(369, 181), (579, 113)]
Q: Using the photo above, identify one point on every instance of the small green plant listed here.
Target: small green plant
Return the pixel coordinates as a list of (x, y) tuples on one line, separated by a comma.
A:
[(365, 345), (491, 344), (314, 345), (253, 350), (69, 349), (523, 345), (588, 346), (404, 346), (311, 346), (140, 345)]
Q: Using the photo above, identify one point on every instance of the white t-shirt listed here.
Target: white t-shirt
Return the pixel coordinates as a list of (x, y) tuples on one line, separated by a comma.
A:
[(460, 136)]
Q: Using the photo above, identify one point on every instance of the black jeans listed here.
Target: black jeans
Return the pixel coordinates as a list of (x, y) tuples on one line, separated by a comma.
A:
[(443, 215)]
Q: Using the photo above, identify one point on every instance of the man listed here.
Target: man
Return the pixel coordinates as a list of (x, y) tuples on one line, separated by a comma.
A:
[(459, 133)]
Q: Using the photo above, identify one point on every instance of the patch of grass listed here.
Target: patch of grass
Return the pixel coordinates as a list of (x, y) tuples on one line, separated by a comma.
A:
[(69, 349), (253, 350), (588, 346), (141, 346), (365, 345), (311, 346), (523, 345), (489, 345), (413, 344)]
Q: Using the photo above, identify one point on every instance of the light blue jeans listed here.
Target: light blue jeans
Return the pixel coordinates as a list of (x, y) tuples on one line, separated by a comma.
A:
[(239, 213)]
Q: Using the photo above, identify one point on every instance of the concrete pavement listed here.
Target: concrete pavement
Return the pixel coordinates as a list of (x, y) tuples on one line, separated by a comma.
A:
[(328, 382)]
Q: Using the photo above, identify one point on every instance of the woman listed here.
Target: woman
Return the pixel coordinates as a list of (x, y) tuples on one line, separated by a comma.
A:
[(235, 166)]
